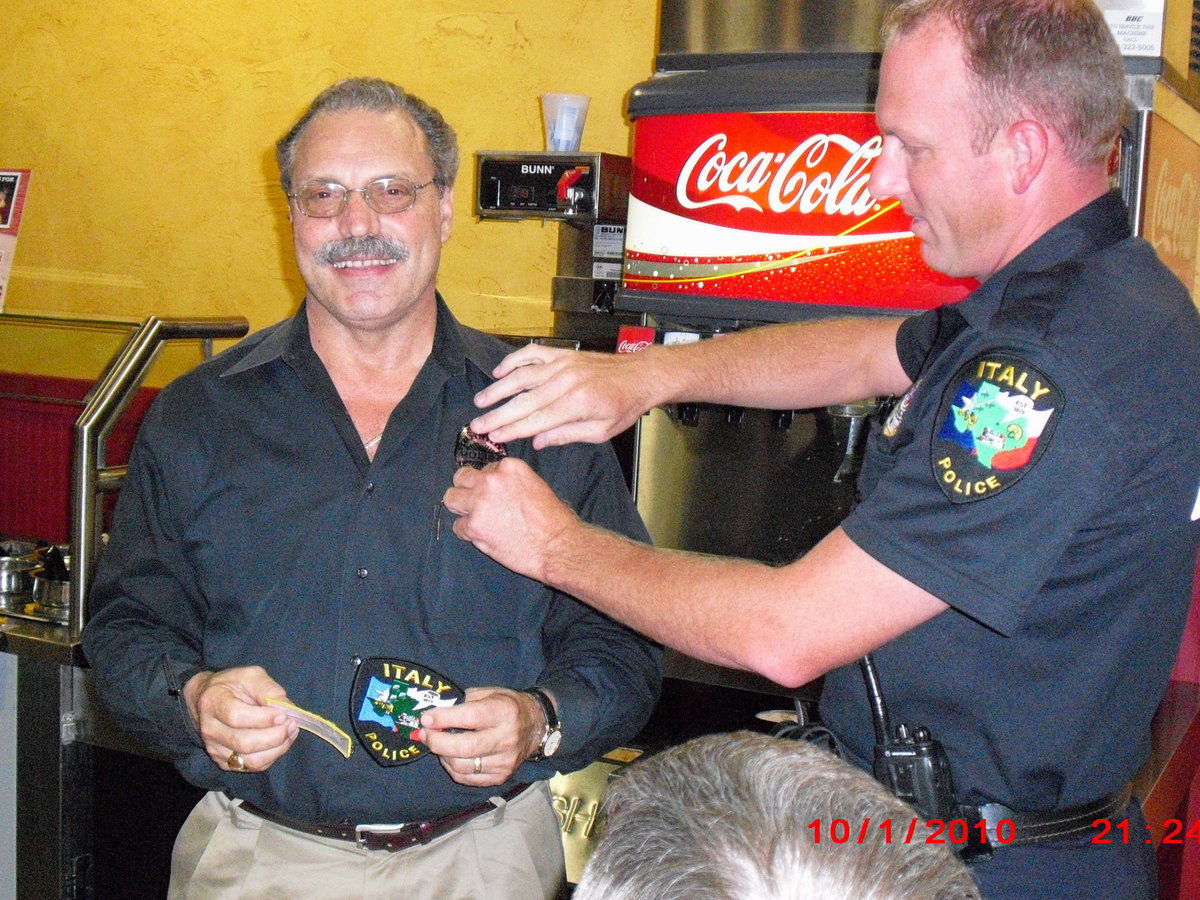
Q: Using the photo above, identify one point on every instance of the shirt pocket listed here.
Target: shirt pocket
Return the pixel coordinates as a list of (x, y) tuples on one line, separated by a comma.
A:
[(463, 592)]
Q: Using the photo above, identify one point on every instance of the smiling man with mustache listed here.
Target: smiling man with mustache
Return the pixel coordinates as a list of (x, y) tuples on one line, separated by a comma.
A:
[(280, 536)]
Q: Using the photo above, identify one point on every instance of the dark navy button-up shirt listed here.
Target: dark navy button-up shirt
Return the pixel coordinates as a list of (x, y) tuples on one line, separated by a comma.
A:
[(253, 529)]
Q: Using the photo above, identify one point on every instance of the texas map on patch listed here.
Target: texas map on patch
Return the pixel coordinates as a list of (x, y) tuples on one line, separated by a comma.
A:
[(314, 724), (995, 422)]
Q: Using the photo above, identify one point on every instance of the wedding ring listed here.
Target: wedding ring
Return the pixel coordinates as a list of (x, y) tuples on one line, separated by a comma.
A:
[(236, 762), (478, 765)]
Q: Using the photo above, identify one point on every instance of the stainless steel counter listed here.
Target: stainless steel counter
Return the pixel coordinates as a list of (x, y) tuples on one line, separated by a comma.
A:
[(40, 640)]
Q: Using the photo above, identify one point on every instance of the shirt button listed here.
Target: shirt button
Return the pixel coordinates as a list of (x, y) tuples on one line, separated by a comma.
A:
[(370, 487), (360, 572)]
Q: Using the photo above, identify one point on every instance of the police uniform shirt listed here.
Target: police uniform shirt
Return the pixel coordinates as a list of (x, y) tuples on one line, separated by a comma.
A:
[(1041, 478)]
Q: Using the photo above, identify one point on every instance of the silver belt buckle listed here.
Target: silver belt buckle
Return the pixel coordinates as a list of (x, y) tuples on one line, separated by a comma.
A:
[(382, 829)]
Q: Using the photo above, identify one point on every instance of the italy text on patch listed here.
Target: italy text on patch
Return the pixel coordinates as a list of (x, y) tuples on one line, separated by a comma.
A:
[(995, 421), (386, 702)]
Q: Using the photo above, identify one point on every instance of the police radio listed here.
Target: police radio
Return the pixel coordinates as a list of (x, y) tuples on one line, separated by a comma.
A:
[(908, 761), (914, 766)]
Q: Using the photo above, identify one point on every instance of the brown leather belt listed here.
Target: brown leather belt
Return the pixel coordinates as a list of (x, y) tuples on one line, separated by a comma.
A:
[(400, 836)]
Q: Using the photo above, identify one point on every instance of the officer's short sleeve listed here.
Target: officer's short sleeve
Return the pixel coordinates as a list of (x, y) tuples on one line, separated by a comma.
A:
[(981, 487)]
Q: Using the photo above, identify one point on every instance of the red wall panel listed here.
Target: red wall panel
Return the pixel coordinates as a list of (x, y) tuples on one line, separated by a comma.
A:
[(37, 418), (1187, 665)]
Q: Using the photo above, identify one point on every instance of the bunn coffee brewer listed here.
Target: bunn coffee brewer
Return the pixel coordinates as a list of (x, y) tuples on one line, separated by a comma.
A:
[(588, 194)]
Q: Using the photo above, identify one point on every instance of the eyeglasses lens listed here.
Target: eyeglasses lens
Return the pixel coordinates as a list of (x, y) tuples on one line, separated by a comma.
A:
[(385, 196), (390, 195)]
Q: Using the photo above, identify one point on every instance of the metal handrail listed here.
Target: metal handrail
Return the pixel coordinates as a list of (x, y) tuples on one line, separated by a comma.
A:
[(103, 406)]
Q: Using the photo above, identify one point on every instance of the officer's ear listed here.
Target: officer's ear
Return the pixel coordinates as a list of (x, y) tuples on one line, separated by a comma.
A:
[(1028, 144)]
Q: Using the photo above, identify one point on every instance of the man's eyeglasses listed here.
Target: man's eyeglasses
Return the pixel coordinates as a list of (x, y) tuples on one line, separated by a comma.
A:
[(326, 199)]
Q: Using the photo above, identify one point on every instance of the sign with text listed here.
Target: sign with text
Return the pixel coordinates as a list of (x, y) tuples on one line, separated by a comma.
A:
[(1172, 210), (1137, 25), (14, 183), (771, 207)]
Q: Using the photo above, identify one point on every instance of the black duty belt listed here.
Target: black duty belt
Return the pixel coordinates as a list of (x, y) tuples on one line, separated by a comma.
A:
[(399, 836), (1052, 825)]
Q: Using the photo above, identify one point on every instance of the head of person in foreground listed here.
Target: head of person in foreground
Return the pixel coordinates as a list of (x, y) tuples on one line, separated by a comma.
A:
[(745, 816)]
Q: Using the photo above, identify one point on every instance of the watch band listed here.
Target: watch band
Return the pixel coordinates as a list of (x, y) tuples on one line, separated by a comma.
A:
[(552, 736)]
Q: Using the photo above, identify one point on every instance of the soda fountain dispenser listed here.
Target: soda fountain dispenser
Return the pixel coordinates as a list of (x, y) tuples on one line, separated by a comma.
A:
[(749, 205), (588, 195)]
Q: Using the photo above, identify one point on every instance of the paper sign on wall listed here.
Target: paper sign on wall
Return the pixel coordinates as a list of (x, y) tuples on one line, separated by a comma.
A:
[(14, 183), (1136, 24)]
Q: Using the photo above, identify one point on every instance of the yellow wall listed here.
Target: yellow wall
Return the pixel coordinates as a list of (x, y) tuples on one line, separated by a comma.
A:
[(149, 127)]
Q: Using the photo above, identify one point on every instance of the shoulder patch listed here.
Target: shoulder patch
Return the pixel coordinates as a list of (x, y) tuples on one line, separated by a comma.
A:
[(995, 421)]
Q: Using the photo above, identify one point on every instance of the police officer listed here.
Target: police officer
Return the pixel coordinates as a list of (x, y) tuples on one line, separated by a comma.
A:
[(1020, 562)]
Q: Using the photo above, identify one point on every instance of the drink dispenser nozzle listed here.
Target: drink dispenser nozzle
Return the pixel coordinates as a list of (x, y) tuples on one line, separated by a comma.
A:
[(574, 190), (686, 413), (857, 415), (689, 414)]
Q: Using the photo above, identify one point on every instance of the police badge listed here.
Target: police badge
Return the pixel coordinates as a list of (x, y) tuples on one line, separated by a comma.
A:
[(476, 450), (386, 701)]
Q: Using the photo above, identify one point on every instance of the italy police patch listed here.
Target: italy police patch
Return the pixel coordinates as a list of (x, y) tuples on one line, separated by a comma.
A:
[(386, 702), (995, 421)]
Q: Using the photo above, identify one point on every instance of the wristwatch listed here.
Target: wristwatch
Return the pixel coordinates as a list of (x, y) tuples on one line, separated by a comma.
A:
[(552, 736)]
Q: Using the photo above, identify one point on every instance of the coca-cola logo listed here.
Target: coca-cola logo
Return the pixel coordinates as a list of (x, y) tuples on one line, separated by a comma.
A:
[(825, 173), (628, 346), (770, 206), (1175, 199)]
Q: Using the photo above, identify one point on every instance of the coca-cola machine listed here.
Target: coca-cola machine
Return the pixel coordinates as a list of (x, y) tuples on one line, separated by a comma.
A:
[(744, 202), (749, 205)]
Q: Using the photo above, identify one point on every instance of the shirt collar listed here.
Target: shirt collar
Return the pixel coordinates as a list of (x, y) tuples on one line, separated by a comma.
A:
[(453, 345), (1099, 224)]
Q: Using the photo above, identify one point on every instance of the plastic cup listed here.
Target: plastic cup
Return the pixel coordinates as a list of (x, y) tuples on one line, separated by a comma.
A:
[(564, 115)]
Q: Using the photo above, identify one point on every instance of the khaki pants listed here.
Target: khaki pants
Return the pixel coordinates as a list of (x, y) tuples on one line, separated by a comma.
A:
[(224, 852)]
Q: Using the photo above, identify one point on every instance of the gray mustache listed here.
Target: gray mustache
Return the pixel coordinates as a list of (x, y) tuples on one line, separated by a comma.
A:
[(372, 247)]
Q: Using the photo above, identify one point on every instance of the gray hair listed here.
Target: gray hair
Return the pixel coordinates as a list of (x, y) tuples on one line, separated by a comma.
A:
[(1052, 60), (732, 816), (376, 95)]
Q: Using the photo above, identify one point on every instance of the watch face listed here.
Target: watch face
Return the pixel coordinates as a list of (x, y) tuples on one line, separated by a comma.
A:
[(553, 739)]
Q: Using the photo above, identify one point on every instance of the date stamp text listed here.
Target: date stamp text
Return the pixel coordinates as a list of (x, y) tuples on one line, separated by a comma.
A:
[(961, 831)]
